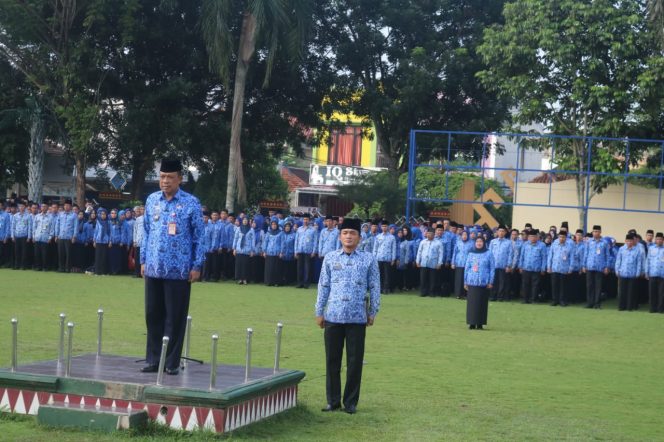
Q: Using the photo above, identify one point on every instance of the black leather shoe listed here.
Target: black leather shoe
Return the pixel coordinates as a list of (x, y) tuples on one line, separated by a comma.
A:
[(172, 371), (149, 369), (471, 327), (330, 407), (350, 409)]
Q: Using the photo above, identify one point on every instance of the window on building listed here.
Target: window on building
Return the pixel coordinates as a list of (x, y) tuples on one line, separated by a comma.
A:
[(346, 146)]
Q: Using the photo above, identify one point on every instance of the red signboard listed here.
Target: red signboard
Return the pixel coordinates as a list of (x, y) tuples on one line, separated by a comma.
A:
[(439, 213), (273, 204)]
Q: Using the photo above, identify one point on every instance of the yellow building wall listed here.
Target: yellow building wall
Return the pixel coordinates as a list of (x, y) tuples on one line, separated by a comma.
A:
[(368, 158), (613, 223)]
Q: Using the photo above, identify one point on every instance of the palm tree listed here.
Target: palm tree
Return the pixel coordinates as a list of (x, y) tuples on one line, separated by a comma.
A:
[(268, 24)]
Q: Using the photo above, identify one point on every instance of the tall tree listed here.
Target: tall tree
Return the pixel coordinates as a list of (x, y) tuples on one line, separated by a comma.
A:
[(656, 16), (14, 136), (53, 44), (411, 64), (572, 65), (267, 25)]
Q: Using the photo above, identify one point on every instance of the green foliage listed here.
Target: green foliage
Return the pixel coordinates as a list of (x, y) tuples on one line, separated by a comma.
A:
[(14, 136), (406, 65), (574, 66), (375, 195)]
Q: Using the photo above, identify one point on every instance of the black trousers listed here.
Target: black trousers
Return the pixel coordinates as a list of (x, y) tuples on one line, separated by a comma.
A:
[(446, 280), (229, 264), (385, 268), (166, 309), (560, 283), (627, 295), (41, 256), (207, 266), (459, 291), (242, 267), (288, 271), (500, 285), (101, 259), (115, 256), (303, 269), (656, 294), (64, 255), (530, 282), (335, 336), (137, 262), (594, 288), (428, 281), (21, 253)]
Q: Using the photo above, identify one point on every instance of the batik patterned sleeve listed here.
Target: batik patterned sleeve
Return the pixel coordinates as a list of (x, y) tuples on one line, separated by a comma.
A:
[(323, 287), (373, 284)]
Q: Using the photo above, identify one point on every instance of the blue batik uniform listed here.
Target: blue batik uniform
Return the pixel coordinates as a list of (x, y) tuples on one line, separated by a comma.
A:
[(228, 236), (217, 233), (272, 244), (516, 251), (5, 225), (501, 249), (479, 270), (596, 255), (43, 228), (327, 241), (405, 254), (415, 242), (137, 237), (116, 235), (430, 254), (306, 240), (288, 246), (65, 225), (102, 235), (577, 263), (460, 252), (22, 225), (369, 242), (448, 240), (655, 262), (89, 232), (342, 287), (561, 257), (533, 257), (128, 231), (168, 256), (385, 247), (246, 247), (629, 262), (81, 232)]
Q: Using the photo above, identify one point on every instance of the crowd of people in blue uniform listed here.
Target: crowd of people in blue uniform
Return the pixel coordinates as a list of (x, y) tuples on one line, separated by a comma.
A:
[(531, 265)]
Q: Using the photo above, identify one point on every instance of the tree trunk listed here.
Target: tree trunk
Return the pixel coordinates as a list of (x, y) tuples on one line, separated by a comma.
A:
[(138, 173), (235, 176), (36, 161), (80, 178), (580, 180)]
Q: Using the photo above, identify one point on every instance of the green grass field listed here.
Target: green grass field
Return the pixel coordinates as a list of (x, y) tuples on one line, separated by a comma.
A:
[(536, 373)]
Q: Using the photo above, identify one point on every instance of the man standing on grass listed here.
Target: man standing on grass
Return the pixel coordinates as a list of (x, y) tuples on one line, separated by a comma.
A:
[(595, 266), (344, 312), (171, 259)]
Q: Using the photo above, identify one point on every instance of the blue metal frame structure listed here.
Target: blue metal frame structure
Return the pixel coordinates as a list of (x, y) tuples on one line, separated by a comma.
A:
[(519, 137)]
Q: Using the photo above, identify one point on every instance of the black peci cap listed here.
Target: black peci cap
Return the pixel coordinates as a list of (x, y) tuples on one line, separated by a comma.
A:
[(352, 223), (170, 164), (597, 227)]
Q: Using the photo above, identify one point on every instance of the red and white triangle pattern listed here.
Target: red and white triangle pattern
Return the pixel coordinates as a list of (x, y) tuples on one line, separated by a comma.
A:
[(174, 416)]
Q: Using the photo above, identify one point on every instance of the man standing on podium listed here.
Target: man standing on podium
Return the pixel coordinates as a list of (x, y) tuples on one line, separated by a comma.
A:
[(347, 274), (171, 259)]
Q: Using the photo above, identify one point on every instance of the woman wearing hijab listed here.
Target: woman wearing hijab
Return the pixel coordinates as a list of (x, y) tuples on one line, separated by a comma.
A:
[(78, 246), (459, 254), (90, 237), (102, 238), (272, 243), (115, 251), (257, 262), (243, 250), (287, 255), (405, 258), (478, 279)]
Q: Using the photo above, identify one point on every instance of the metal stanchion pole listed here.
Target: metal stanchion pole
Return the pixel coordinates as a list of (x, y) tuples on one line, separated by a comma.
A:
[(100, 316), (247, 367), (70, 341), (187, 339), (61, 345), (213, 362), (162, 359), (277, 350), (14, 344)]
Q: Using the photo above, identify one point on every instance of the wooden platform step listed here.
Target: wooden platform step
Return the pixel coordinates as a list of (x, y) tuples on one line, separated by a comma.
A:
[(90, 417)]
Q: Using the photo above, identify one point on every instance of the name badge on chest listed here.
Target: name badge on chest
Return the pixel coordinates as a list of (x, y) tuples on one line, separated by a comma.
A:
[(598, 251), (172, 228)]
